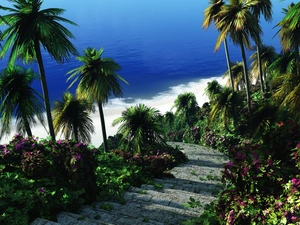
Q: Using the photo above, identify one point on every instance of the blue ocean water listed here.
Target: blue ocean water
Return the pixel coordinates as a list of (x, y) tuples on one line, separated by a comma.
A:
[(159, 44)]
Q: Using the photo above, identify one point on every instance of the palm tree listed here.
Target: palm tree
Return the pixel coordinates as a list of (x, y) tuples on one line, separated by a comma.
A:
[(97, 79), (19, 99), (289, 31), (186, 105), (237, 75), (29, 28), (267, 57), (140, 127), (211, 13), (284, 63), (263, 7), (237, 20), (72, 118), (169, 118), (288, 92), (226, 107), (212, 89)]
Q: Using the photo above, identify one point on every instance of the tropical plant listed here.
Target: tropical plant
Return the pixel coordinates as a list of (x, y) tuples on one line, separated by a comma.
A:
[(18, 99), (211, 13), (263, 7), (288, 92), (237, 75), (140, 127), (283, 63), (226, 107), (72, 118), (169, 118), (289, 31), (237, 20), (29, 28), (212, 89), (186, 105), (267, 57), (97, 80)]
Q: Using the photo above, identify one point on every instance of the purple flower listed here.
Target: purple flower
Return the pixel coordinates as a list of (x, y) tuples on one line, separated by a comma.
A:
[(5, 152), (229, 164), (41, 190)]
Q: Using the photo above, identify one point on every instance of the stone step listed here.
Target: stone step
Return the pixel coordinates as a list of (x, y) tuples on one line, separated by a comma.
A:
[(168, 197), (199, 187), (114, 217), (163, 214), (41, 221), (67, 218)]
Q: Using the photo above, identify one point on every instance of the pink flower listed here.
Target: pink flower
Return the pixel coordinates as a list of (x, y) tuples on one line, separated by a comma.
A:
[(280, 124)]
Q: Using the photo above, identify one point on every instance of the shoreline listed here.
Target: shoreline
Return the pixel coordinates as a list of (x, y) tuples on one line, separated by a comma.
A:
[(162, 101)]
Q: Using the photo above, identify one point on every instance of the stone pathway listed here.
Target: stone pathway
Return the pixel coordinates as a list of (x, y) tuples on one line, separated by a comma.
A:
[(161, 203)]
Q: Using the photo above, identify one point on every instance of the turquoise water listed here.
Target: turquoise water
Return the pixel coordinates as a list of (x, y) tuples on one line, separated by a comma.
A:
[(159, 43)]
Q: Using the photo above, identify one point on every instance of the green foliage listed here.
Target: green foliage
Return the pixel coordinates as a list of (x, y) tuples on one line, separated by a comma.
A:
[(208, 217), (41, 178), (107, 206), (114, 176)]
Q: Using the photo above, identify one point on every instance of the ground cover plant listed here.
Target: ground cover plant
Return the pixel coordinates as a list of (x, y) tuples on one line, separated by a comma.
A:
[(39, 178)]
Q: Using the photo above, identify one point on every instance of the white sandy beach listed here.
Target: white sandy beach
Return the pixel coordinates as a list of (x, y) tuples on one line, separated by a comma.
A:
[(162, 101)]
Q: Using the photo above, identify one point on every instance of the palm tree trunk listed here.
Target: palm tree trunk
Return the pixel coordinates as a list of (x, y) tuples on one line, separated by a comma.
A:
[(260, 69), (246, 77), (103, 126), (27, 127), (228, 63), (188, 118), (44, 88)]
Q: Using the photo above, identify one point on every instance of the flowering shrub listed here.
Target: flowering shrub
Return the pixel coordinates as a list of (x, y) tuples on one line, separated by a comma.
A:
[(220, 142), (152, 165), (263, 187), (39, 178), (34, 163), (42, 177)]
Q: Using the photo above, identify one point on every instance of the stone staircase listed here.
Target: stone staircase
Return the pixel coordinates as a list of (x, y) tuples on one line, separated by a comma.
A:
[(161, 203)]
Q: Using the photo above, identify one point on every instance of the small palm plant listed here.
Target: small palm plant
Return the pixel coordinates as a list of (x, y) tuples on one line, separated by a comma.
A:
[(140, 127), (72, 118), (186, 105)]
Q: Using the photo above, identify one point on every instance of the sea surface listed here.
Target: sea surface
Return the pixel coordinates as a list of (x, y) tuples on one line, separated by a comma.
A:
[(160, 44)]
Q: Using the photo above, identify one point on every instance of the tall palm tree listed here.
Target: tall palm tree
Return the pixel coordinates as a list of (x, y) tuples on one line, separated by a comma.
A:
[(237, 20), (211, 13), (97, 79), (18, 99), (289, 31), (267, 57), (72, 118), (262, 7), (237, 75), (186, 106), (140, 126), (29, 28)]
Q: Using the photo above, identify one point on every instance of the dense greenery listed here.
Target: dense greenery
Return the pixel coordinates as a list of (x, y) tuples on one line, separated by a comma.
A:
[(254, 120), (39, 178)]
